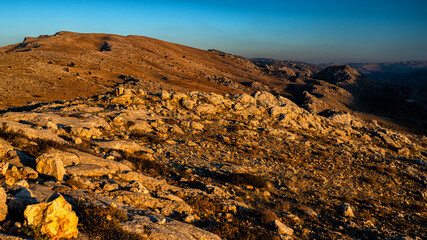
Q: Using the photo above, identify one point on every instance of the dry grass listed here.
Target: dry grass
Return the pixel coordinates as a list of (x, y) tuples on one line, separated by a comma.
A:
[(148, 138), (152, 167), (246, 179), (104, 224), (34, 147), (32, 232)]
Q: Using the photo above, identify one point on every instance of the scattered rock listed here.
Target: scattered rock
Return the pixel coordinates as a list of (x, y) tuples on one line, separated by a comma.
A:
[(3, 206), (346, 210), (49, 165), (282, 228), (55, 218)]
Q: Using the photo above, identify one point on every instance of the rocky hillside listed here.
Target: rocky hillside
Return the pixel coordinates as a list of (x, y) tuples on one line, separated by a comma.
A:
[(68, 65), (130, 164), (286, 69)]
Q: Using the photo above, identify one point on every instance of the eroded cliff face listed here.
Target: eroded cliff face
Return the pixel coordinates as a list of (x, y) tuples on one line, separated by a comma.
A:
[(199, 165)]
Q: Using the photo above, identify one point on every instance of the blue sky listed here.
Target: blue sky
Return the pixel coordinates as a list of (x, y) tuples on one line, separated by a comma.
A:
[(306, 30)]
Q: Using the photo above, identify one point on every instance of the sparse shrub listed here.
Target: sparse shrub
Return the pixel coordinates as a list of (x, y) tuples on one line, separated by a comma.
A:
[(130, 124), (32, 232), (104, 224), (34, 147), (204, 204), (246, 179), (148, 138), (142, 163), (105, 47), (266, 216)]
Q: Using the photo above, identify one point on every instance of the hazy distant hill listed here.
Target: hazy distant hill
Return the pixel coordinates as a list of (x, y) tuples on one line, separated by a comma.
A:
[(288, 69), (411, 73)]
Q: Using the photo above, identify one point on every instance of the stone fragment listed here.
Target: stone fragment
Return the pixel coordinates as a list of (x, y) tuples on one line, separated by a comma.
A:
[(347, 119), (140, 126), (5, 147), (265, 99), (205, 109), (28, 172), (4, 166), (176, 129), (33, 133), (51, 166), (188, 104), (136, 186), (126, 146), (9, 237), (55, 219), (196, 126), (89, 170), (3, 206), (346, 210), (67, 158), (282, 228), (161, 228)]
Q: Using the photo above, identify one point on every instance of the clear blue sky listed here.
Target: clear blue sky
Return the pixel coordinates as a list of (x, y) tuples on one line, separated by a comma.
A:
[(306, 30)]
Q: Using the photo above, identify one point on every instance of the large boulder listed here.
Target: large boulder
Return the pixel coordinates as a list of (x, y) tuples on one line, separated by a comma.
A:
[(55, 219), (67, 158), (265, 99), (52, 166)]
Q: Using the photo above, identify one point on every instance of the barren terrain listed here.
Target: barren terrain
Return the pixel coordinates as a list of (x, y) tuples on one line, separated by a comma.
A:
[(135, 138)]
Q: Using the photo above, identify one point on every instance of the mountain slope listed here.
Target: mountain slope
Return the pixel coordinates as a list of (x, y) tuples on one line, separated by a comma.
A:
[(67, 65)]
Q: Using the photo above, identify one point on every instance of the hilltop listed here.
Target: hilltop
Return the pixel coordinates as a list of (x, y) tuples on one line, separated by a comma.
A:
[(58, 67)]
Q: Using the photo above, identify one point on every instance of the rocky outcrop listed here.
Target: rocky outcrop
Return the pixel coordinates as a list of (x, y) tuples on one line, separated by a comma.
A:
[(49, 165), (203, 166), (55, 218), (339, 75)]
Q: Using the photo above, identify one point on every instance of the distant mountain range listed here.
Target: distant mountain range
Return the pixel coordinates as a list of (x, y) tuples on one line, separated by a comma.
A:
[(411, 73)]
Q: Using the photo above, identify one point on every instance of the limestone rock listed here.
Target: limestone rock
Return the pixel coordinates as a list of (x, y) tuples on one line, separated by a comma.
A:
[(188, 104), (282, 228), (67, 158), (205, 109), (55, 218), (141, 126), (348, 119), (33, 133), (88, 170), (8, 237), (86, 158), (5, 147), (3, 206), (126, 146), (161, 228), (4, 166), (51, 166), (196, 126), (167, 206), (265, 99), (245, 99), (346, 210), (28, 172)]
